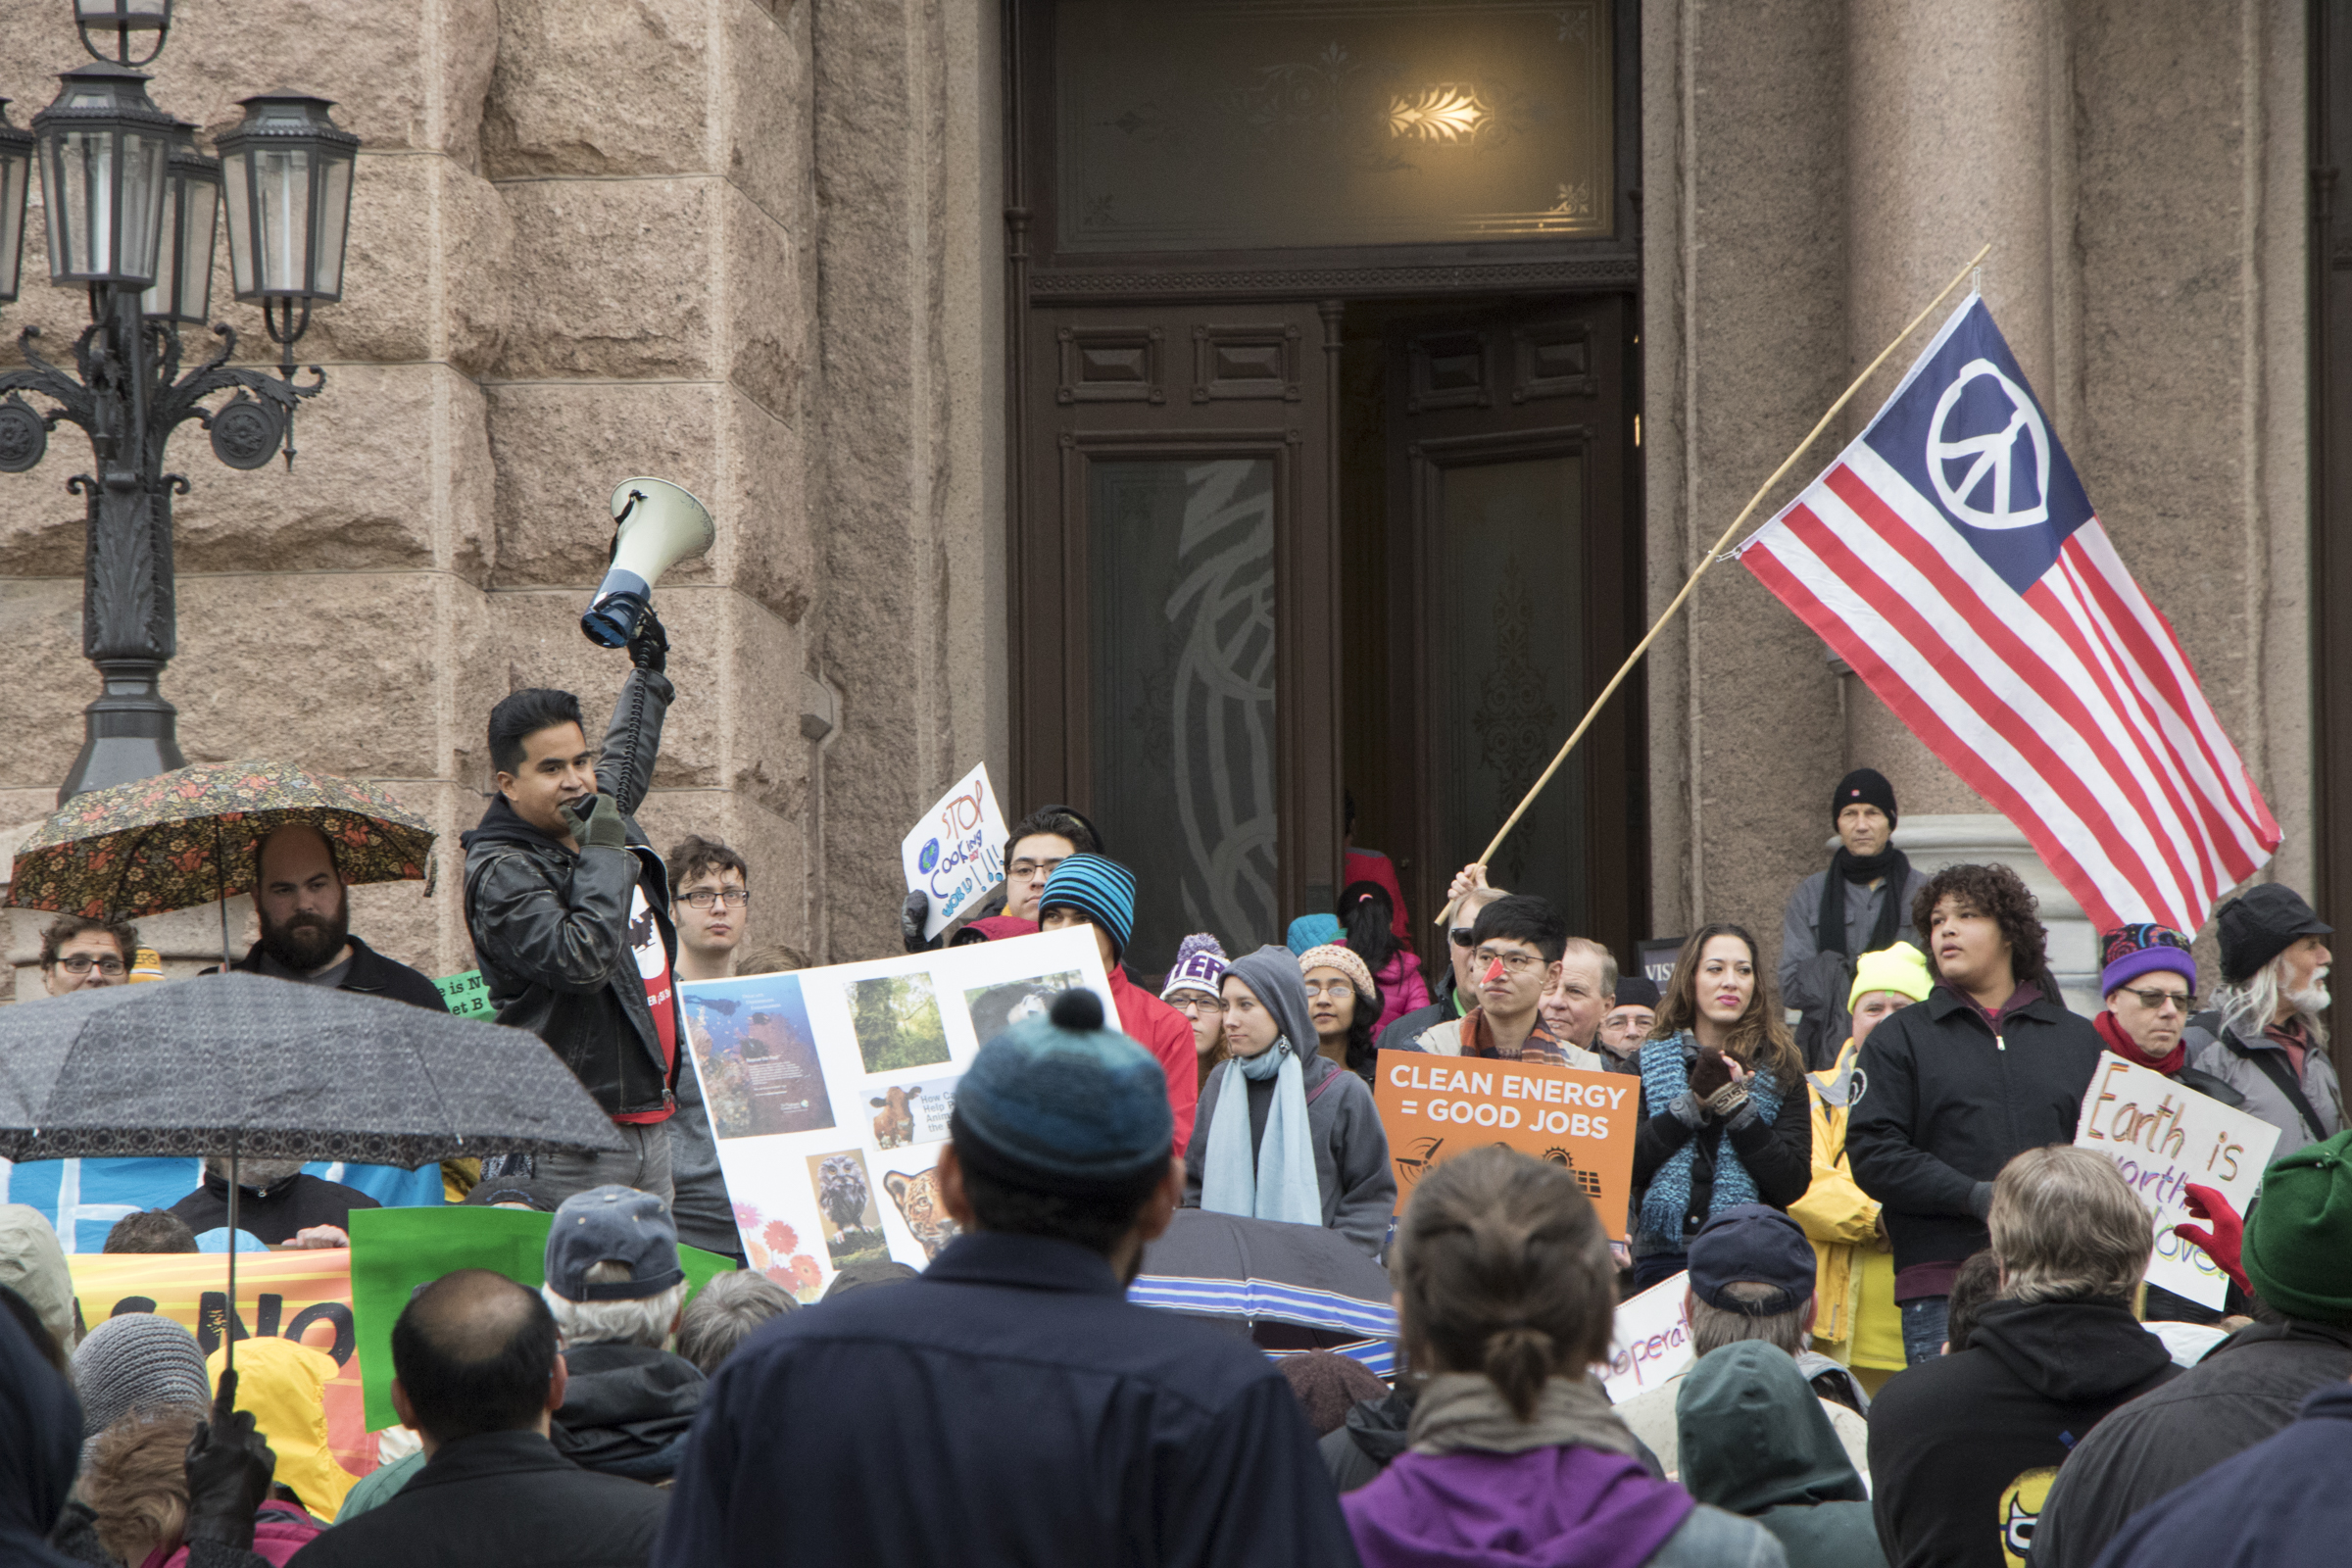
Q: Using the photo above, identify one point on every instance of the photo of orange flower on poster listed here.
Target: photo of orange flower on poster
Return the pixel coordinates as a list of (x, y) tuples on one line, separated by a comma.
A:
[(774, 1250)]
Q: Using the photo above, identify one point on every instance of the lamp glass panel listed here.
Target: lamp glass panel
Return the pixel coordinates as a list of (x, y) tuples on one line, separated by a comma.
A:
[(98, 12), (200, 219), (156, 300), (82, 203), (144, 154), (233, 178), (15, 172), (282, 180), (334, 222)]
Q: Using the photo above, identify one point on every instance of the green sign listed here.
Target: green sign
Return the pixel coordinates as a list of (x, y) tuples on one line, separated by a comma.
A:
[(466, 994), (393, 1250)]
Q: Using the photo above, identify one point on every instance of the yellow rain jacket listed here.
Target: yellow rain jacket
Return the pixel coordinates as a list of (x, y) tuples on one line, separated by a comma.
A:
[(1856, 1319), (282, 1384)]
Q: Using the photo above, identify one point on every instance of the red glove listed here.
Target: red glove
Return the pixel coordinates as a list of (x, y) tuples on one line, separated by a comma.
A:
[(2223, 1243)]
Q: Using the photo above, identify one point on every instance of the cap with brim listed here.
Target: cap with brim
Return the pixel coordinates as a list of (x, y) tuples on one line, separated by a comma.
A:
[(612, 1224), (2261, 923), (1750, 1243)]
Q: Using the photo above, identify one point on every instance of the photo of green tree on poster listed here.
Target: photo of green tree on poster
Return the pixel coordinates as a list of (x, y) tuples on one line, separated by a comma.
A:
[(896, 1019)]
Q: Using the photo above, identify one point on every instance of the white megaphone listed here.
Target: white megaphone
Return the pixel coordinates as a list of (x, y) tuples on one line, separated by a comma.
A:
[(655, 525)]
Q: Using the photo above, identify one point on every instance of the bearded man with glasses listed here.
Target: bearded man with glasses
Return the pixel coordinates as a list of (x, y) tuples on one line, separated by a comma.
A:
[(78, 953)]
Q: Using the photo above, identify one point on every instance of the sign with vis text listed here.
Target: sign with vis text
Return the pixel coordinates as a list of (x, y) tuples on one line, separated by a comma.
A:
[(1434, 1107)]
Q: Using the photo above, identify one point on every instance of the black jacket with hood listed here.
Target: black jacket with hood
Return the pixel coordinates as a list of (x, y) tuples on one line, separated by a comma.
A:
[(2248, 1388), (1944, 1104), (1755, 1441), (1963, 1449), (551, 924)]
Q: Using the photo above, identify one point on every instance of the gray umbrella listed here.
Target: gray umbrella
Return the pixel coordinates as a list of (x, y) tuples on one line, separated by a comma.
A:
[(276, 1070), (247, 1064)]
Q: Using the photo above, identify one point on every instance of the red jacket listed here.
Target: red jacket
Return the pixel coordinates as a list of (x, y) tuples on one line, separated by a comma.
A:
[(1162, 1031)]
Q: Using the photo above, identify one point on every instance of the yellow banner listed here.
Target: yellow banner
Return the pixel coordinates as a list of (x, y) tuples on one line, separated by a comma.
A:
[(304, 1295)]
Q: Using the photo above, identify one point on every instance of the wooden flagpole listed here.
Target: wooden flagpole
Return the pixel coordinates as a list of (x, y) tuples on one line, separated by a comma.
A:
[(1709, 559)]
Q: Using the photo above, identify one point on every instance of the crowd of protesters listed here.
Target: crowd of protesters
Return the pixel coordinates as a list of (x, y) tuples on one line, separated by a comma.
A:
[(1918, 1316)]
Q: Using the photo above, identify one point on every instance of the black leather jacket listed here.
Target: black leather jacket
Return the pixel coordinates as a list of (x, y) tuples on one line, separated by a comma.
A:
[(551, 924)]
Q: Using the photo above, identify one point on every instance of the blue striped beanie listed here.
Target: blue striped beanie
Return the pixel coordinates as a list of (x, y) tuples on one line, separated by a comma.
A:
[(1102, 890)]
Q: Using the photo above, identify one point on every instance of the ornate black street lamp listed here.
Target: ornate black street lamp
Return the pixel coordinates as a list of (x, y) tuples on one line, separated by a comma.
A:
[(132, 206)]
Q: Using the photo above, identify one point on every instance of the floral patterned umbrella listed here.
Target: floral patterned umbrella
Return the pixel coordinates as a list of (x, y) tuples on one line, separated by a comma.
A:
[(186, 838)]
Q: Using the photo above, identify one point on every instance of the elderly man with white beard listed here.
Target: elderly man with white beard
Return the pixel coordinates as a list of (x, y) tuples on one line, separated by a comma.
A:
[(2264, 1036)]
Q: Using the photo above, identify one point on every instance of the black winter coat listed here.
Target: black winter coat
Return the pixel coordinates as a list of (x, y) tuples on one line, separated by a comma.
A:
[(1944, 1105), (371, 974), (1777, 1156), (1963, 1447), (2248, 1388), (551, 924), (502, 1498)]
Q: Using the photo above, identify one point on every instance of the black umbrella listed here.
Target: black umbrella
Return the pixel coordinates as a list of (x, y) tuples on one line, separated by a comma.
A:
[(249, 1064), (1267, 1277)]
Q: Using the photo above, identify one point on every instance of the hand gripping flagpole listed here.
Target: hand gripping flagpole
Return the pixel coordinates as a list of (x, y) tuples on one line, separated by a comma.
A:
[(1708, 559)]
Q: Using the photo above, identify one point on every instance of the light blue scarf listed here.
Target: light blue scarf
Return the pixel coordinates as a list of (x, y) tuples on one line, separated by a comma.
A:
[(1280, 1182)]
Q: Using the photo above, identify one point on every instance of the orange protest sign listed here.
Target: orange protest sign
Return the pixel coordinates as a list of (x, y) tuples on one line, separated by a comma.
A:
[(304, 1297), (1435, 1107)]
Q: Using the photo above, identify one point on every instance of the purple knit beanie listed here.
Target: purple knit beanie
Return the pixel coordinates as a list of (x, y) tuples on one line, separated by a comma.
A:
[(2130, 952)]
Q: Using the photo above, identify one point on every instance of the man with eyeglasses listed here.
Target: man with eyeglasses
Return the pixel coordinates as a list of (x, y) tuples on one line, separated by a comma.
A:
[(1515, 947), (79, 954), (1038, 843), (710, 905), (1456, 984)]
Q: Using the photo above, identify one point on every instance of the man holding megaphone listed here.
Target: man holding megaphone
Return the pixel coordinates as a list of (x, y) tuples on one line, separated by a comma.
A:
[(566, 902)]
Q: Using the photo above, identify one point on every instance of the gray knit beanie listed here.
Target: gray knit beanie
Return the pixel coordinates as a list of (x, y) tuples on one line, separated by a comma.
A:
[(134, 1362)]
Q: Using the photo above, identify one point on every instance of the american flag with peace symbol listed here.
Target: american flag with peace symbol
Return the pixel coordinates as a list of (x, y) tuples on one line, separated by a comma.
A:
[(1951, 556)]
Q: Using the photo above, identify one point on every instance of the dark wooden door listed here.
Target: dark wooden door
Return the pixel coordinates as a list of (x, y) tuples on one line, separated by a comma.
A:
[(1514, 584), (1174, 607)]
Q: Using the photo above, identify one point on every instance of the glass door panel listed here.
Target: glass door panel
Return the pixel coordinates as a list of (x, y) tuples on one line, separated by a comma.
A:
[(1183, 648)]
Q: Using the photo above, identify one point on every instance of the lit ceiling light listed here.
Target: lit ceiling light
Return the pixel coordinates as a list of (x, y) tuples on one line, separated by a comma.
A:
[(1443, 112)]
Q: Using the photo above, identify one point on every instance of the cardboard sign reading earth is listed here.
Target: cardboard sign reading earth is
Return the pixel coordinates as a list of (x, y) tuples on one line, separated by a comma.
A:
[(2164, 1139), (1435, 1107)]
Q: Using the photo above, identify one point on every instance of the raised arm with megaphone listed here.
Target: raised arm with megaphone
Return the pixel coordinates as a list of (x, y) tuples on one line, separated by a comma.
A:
[(655, 525)]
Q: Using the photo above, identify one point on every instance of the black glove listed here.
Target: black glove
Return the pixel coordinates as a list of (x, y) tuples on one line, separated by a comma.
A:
[(912, 915), (596, 822), (229, 1466), (650, 648)]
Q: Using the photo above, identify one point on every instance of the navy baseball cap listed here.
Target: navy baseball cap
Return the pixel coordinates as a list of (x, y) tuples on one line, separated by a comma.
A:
[(613, 1225), (1755, 1244)]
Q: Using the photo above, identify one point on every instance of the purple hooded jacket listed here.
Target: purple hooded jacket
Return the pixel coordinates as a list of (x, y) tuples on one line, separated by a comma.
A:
[(1550, 1507)]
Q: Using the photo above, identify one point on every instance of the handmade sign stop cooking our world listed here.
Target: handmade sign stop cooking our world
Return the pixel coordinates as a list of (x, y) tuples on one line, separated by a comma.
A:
[(1434, 1107)]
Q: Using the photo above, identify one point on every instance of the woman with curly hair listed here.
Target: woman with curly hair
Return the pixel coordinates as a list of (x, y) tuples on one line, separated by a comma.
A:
[(1992, 1064), (1724, 1119)]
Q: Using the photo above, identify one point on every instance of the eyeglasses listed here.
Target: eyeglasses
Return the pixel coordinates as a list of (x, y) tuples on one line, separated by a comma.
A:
[(1333, 988), (83, 963), (2154, 1001), (705, 898), (1512, 962), (1195, 1001), (1459, 936), (1031, 870)]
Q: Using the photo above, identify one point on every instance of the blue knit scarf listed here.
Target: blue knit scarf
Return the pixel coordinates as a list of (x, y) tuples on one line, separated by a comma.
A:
[(1278, 1181), (1665, 1075)]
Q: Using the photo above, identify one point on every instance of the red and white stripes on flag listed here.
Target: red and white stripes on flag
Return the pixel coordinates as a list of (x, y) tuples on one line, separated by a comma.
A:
[(1948, 556)]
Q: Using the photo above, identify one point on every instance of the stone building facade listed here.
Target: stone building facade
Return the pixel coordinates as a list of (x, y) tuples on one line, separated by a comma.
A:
[(762, 249)]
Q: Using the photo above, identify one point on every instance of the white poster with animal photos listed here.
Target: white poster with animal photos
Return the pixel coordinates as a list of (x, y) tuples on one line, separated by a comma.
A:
[(829, 1091)]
